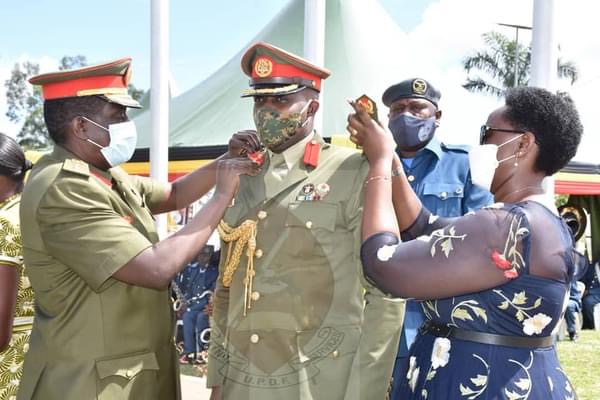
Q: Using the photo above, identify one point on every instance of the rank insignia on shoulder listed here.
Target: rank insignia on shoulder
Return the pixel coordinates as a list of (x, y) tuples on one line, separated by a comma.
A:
[(369, 105), (312, 152), (76, 166)]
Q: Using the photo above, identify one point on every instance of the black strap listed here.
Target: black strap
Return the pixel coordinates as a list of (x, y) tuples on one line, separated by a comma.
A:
[(270, 81), (485, 338)]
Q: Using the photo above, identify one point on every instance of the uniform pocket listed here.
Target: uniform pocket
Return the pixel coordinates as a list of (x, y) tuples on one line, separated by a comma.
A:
[(312, 215), (444, 198), (127, 377), (309, 225)]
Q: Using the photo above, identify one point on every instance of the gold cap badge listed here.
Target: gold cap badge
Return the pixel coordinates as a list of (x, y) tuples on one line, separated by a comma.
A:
[(419, 86), (263, 67)]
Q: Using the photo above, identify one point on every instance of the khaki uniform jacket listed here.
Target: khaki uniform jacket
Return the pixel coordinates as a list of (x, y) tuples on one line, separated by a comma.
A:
[(94, 337), (308, 333)]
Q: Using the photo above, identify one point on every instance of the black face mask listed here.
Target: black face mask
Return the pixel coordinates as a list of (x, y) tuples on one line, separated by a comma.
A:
[(411, 132)]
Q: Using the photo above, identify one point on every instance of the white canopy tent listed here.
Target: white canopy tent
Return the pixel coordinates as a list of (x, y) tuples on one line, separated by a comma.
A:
[(357, 33)]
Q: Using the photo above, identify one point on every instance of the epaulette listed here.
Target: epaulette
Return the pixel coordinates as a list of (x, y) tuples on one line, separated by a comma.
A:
[(76, 166), (464, 148)]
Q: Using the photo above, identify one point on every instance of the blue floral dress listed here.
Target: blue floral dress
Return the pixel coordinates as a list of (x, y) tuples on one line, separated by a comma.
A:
[(522, 270)]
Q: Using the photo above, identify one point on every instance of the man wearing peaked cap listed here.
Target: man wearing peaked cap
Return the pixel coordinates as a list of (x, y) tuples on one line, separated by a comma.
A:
[(108, 81), (289, 303), (438, 173), (104, 323), (275, 71)]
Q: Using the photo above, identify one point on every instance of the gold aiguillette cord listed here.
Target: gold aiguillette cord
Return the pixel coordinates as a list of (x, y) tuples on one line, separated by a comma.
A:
[(236, 239)]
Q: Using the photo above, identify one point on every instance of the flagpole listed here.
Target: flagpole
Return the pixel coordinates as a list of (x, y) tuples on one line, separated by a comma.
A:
[(544, 56), (159, 98), (314, 46)]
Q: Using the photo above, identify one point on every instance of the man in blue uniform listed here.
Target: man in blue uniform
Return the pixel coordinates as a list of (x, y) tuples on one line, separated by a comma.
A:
[(573, 308), (197, 283), (438, 173), (591, 297)]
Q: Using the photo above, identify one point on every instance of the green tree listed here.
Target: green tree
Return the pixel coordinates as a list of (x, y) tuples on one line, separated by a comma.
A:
[(135, 92), (25, 102), (72, 62), (497, 63)]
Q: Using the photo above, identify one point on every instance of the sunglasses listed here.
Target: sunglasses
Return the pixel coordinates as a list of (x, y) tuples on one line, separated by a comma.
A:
[(485, 131)]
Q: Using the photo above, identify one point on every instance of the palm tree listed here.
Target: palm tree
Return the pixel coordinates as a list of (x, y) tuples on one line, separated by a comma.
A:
[(497, 62)]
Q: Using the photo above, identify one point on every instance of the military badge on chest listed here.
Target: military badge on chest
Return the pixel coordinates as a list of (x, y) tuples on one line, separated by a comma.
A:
[(312, 192)]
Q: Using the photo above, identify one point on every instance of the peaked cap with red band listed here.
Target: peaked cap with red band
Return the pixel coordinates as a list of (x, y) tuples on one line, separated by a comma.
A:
[(276, 72), (108, 80)]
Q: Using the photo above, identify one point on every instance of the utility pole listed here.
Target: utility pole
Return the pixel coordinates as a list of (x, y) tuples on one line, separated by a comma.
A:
[(314, 46), (517, 27), (159, 100)]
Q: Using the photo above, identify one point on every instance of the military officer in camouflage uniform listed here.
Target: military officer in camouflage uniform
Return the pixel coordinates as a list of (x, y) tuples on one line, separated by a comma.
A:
[(289, 308), (104, 322)]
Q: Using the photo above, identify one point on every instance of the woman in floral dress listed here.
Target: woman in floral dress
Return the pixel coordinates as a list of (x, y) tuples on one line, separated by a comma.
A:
[(16, 294), (493, 284)]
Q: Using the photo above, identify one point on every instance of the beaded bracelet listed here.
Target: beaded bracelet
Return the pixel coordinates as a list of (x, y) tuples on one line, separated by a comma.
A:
[(375, 178)]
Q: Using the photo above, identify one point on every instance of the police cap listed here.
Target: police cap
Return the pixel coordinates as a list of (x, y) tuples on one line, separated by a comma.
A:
[(412, 88)]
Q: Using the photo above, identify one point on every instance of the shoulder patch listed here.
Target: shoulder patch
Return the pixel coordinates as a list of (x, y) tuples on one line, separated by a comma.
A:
[(464, 148), (76, 166)]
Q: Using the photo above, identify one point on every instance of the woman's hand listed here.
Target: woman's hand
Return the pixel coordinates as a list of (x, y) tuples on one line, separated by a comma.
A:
[(228, 174), (376, 142)]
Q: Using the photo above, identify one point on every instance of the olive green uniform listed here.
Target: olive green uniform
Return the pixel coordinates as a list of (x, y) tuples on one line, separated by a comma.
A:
[(308, 333), (94, 337)]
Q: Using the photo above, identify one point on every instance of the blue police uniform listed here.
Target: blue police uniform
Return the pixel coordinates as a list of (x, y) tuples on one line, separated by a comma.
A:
[(592, 296), (439, 175), (573, 307), (197, 283)]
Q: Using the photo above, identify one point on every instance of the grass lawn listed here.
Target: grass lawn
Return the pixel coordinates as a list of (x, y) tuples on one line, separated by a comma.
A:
[(581, 362)]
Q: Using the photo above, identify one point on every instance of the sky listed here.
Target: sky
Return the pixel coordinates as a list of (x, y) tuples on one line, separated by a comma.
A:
[(206, 34)]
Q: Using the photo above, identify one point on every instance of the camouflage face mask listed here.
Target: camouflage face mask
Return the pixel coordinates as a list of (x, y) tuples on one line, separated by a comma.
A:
[(274, 127)]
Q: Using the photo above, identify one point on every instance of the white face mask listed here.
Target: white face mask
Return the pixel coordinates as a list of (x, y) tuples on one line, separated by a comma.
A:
[(483, 163), (123, 139)]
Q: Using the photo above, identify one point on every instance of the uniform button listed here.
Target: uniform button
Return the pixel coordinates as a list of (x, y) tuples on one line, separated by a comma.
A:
[(129, 373), (335, 354), (255, 296), (308, 224), (443, 195), (258, 253), (458, 190), (262, 214), (254, 338), (411, 178)]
